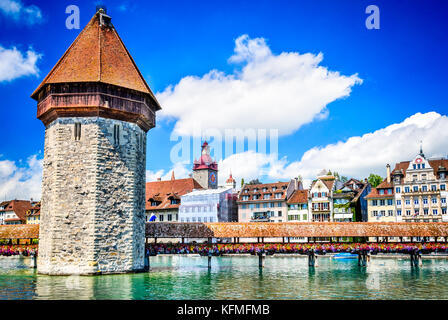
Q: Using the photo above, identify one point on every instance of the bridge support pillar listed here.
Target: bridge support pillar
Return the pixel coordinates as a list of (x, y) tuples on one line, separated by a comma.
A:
[(362, 258), (416, 258), (33, 263), (261, 258), (312, 258), (209, 260), (146, 265)]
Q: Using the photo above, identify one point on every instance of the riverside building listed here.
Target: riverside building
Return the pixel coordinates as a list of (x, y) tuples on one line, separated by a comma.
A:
[(263, 202), (381, 201), (163, 198), (420, 187), (209, 205)]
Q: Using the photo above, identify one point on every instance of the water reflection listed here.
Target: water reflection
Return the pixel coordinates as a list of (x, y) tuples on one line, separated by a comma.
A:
[(239, 277)]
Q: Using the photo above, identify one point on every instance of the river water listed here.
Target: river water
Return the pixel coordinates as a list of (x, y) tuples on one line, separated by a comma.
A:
[(237, 277)]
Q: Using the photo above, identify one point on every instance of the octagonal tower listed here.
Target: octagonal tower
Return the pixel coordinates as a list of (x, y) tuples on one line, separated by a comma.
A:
[(96, 108)]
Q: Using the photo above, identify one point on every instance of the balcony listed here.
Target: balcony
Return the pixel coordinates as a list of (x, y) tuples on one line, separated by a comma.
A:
[(260, 219)]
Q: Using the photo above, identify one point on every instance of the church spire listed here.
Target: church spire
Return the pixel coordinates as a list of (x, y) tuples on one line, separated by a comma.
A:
[(421, 149)]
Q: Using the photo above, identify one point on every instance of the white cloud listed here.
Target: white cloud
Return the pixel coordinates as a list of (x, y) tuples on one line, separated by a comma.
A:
[(15, 64), (17, 11), (21, 182), (356, 157), (181, 170), (271, 91)]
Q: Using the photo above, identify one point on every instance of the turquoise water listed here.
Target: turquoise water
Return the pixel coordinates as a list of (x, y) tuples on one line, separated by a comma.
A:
[(238, 277)]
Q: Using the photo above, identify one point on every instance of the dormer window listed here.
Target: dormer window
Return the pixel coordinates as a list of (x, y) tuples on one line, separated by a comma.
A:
[(274, 188), (265, 189)]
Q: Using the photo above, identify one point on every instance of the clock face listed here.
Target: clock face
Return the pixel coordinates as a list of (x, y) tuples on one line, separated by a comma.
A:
[(418, 160), (212, 178)]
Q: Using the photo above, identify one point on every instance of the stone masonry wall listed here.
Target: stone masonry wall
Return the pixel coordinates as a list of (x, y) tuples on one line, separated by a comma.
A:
[(92, 215)]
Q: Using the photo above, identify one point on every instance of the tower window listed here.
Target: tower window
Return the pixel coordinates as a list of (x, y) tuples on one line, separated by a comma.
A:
[(117, 134), (77, 131)]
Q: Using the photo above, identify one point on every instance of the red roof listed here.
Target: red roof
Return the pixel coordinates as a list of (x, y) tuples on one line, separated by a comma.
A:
[(435, 164), (230, 179), (164, 191), (98, 55), (299, 196), (20, 207), (281, 188), (205, 161), (374, 193)]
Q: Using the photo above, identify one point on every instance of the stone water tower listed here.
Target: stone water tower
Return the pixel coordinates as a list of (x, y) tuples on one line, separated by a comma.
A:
[(96, 108)]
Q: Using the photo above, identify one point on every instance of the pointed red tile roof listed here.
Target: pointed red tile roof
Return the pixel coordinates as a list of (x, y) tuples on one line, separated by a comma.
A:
[(162, 191), (299, 196), (98, 55)]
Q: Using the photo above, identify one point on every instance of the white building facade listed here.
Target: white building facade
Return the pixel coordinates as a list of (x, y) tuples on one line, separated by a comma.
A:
[(420, 189), (211, 205)]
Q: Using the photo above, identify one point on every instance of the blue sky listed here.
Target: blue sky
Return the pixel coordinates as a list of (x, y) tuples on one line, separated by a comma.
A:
[(401, 69)]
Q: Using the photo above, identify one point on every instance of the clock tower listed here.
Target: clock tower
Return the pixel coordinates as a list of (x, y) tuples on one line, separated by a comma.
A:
[(205, 170)]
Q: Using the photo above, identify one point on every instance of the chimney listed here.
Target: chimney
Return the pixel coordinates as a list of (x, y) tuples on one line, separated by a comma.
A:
[(388, 173), (159, 179), (172, 176), (296, 184)]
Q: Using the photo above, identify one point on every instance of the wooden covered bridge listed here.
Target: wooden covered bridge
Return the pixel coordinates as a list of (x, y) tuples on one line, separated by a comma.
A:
[(309, 230), (262, 230)]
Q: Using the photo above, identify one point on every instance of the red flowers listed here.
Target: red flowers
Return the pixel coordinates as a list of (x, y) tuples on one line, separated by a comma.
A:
[(14, 250), (298, 247)]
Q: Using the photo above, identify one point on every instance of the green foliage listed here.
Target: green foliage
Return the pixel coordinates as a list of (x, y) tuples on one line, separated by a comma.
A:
[(374, 180), (242, 182), (255, 181)]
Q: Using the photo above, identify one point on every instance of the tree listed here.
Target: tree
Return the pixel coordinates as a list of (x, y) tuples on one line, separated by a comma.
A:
[(374, 180), (255, 181), (242, 182), (343, 179)]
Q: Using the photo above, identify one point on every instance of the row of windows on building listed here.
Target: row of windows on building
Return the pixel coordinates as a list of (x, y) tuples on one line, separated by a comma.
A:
[(196, 209), (296, 217), (266, 214), (320, 206), (319, 194), (390, 213), (198, 219), (169, 217), (422, 189), (265, 197), (424, 201), (389, 202), (263, 189), (299, 206), (258, 205)]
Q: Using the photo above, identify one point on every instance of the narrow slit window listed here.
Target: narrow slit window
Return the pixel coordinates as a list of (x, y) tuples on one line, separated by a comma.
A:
[(117, 134), (77, 131)]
